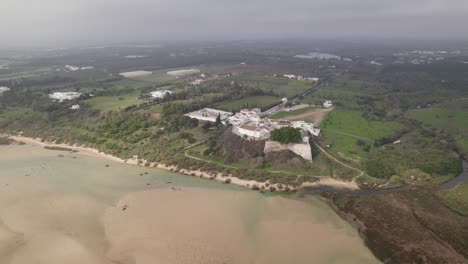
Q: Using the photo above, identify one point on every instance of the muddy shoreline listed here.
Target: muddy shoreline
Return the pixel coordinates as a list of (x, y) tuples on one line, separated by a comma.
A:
[(405, 227)]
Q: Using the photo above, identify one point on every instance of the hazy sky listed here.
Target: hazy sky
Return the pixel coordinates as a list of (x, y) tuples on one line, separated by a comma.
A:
[(62, 22)]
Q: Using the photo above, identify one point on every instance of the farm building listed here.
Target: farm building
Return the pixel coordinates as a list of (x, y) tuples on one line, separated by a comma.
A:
[(328, 104), (62, 96), (160, 94), (252, 131), (4, 89)]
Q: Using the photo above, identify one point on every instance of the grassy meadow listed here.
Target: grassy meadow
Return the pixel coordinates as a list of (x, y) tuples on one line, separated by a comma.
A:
[(454, 121), (249, 102)]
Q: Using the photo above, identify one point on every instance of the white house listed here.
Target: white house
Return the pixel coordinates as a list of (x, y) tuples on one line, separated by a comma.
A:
[(328, 104), (290, 76), (209, 114), (4, 89), (160, 94), (253, 131), (196, 82), (62, 96), (284, 100), (75, 107)]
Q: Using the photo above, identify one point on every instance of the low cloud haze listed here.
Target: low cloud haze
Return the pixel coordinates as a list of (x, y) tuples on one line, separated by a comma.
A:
[(67, 22)]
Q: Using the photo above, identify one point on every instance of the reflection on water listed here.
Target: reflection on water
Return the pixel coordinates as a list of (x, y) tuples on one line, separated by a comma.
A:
[(56, 208)]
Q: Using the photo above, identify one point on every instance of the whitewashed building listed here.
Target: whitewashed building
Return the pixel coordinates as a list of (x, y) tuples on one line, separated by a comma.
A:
[(4, 89), (75, 107), (160, 94), (209, 115), (328, 104), (62, 96), (253, 131)]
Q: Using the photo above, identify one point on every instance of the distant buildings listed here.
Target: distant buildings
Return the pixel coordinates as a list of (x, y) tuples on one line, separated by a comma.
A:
[(160, 94), (75, 107), (300, 77), (328, 104), (62, 96), (76, 68), (209, 115)]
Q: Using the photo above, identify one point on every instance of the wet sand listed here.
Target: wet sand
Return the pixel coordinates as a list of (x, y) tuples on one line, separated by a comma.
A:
[(212, 226), (60, 207)]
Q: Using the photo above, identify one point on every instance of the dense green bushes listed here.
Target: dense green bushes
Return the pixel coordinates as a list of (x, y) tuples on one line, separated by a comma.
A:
[(286, 135)]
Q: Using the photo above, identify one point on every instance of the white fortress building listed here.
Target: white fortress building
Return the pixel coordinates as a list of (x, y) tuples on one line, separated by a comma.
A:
[(209, 115), (160, 94), (249, 123), (62, 96)]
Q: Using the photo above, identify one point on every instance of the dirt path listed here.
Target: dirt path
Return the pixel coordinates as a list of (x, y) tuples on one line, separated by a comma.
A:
[(339, 162), (315, 116), (349, 135)]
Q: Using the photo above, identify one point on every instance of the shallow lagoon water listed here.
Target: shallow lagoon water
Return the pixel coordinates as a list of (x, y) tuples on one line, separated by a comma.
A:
[(60, 207)]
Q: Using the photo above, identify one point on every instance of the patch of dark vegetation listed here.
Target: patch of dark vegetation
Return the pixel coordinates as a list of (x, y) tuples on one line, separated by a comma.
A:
[(6, 141), (235, 148), (407, 227), (286, 157), (286, 135), (60, 149)]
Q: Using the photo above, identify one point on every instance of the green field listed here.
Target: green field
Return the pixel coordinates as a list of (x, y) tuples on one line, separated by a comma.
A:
[(455, 121), (456, 198), (351, 136), (112, 103), (249, 102), (14, 113), (353, 123), (281, 115)]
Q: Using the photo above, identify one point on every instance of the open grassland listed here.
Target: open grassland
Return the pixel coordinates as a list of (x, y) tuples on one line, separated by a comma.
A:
[(15, 113), (112, 103), (456, 198), (249, 102), (353, 123), (279, 85), (90, 75), (26, 74), (285, 114), (351, 136), (455, 121)]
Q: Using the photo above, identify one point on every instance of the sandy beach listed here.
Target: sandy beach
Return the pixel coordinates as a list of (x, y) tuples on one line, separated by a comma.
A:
[(324, 181)]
